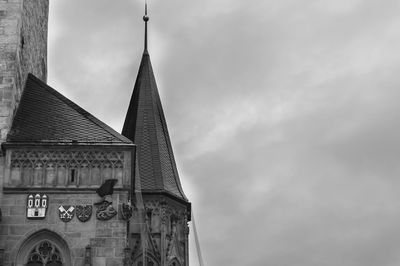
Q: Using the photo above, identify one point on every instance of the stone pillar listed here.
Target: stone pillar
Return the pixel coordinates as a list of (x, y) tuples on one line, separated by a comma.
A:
[(164, 231)]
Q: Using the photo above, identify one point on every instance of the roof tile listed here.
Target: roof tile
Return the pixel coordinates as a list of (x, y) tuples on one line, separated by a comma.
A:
[(146, 126), (44, 115)]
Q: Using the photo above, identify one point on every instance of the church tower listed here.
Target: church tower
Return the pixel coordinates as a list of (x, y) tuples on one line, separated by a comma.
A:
[(73, 191), (23, 50), (159, 229)]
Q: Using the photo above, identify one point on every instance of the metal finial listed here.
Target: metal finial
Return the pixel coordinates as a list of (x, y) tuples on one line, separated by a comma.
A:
[(145, 18)]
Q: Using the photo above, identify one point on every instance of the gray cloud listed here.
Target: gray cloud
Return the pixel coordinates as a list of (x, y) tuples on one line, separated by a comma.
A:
[(282, 116)]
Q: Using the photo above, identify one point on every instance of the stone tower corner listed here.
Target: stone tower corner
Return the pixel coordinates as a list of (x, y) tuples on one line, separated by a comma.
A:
[(23, 50)]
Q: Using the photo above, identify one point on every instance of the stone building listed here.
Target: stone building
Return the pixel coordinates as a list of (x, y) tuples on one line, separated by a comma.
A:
[(72, 190)]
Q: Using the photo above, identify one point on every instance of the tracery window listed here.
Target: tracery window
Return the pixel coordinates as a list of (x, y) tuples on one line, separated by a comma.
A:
[(175, 262), (150, 262), (44, 254)]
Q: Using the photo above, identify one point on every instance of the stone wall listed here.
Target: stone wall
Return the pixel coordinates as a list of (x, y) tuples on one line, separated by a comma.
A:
[(23, 49), (107, 238), (161, 225)]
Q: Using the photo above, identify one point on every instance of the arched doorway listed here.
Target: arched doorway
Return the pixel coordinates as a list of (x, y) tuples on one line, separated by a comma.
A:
[(44, 248)]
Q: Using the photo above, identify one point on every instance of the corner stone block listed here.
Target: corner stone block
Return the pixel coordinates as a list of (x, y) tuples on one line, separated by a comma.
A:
[(4, 111), (119, 252), (18, 210), (104, 232), (4, 230), (78, 252), (12, 220), (80, 261), (119, 233), (19, 229), (104, 252), (97, 242), (113, 262), (99, 261)]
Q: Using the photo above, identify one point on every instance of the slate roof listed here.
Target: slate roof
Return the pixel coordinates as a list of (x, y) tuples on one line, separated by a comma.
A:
[(44, 115), (145, 125)]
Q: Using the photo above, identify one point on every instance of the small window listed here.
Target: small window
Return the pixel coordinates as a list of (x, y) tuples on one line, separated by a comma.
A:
[(73, 176)]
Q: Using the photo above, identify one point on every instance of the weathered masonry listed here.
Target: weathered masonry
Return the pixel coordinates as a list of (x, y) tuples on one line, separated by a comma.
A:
[(73, 191), (50, 210)]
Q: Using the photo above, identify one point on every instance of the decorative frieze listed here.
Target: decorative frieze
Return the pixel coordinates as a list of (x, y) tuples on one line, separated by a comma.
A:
[(66, 168)]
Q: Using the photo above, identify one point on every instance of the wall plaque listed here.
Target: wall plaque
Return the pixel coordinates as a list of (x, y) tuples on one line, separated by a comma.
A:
[(126, 211), (66, 212), (36, 206), (83, 212)]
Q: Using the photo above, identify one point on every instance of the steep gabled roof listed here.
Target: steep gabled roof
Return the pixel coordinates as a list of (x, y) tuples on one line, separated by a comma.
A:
[(145, 125), (44, 115)]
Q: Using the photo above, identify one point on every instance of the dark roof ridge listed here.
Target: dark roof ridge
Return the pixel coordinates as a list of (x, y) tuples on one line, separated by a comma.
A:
[(77, 108)]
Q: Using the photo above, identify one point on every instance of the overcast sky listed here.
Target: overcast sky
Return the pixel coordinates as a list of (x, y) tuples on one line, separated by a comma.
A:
[(283, 115)]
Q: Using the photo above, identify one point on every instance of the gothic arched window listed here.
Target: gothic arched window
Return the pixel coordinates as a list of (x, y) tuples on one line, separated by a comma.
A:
[(44, 254), (150, 261), (43, 248), (174, 262)]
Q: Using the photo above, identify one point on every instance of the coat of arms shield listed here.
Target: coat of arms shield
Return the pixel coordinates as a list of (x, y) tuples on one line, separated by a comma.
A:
[(126, 211), (66, 212), (84, 212)]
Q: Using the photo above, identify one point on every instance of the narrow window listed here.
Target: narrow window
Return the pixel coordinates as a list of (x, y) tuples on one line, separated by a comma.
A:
[(73, 175)]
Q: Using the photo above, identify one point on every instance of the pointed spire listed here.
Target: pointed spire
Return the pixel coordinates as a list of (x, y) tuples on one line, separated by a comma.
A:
[(146, 126), (146, 19)]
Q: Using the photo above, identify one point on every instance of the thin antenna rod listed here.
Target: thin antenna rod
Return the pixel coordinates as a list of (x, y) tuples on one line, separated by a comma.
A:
[(145, 18), (196, 238)]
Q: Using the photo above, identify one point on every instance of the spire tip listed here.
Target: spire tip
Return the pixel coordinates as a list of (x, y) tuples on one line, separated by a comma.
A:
[(145, 19)]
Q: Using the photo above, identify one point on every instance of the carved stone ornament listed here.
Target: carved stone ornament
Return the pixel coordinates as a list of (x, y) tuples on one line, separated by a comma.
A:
[(126, 211), (45, 253), (83, 212), (36, 206), (105, 211), (66, 212)]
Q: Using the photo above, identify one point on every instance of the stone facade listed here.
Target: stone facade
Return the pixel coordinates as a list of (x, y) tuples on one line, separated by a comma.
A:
[(68, 176), (162, 234), (107, 239), (60, 167), (23, 49)]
